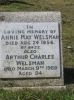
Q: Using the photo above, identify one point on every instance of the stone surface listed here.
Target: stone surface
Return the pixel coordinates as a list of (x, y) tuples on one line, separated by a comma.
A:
[(29, 50), (36, 88), (35, 17)]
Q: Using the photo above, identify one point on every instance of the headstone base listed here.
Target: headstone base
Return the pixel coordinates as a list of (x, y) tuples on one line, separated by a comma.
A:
[(36, 88)]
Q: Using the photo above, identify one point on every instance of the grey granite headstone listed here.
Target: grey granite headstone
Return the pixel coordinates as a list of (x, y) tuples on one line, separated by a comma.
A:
[(31, 49)]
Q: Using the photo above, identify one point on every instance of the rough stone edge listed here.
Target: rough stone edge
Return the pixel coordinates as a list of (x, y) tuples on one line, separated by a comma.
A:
[(35, 88), (30, 16)]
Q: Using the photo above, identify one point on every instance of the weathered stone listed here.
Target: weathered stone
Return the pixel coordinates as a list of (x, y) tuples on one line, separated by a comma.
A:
[(35, 17)]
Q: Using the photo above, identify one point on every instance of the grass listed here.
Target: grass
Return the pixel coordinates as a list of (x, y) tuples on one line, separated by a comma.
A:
[(65, 6), (37, 95)]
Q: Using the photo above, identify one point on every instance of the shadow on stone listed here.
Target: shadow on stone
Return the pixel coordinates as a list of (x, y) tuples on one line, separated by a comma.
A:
[(69, 75), (14, 1)]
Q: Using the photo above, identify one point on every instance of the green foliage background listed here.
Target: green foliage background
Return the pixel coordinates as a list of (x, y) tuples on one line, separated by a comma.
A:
[(37, 95)]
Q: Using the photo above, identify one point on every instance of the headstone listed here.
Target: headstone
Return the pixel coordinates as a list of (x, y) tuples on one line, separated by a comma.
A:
[(31, 49)]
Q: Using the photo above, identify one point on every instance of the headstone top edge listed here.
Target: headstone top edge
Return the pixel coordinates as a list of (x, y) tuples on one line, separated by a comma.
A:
[(34, 13), (30, 16)]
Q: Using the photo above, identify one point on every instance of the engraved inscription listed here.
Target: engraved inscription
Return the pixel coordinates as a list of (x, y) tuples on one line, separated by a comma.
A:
[(29, 50)]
